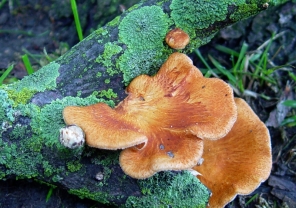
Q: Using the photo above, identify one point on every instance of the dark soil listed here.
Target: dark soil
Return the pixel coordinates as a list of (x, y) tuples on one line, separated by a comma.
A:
[(34, 26)]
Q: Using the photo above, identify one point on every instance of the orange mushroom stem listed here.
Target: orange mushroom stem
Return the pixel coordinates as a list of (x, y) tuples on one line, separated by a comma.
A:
[(163, 119), (239, 162)]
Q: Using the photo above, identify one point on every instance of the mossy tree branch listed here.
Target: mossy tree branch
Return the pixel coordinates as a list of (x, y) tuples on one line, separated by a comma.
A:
[(97, 70)]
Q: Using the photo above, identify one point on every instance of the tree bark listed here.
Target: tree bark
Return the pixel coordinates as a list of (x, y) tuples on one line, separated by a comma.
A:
[(98, 70)]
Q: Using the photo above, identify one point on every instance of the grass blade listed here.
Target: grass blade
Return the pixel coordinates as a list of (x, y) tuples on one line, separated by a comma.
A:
[(290, 103), (227, 50), (76, 19), (27, 64), (241, 56), (290, 121), (202, 59), (2, 3), (49, 193), (224, 71), (293, 76), (251, 199), (210, 71), (5, 74)]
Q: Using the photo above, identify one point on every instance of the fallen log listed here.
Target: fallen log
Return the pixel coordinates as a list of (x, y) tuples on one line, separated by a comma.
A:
[(97, 70)]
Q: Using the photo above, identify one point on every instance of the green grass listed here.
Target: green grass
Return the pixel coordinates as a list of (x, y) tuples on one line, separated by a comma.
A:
[(76, 19), (5, 74), (27, 64), (39, 60), (247, 68), (2, 3), (49, 194), (251, 199), (17, 32), (45, 58), (290, 121)]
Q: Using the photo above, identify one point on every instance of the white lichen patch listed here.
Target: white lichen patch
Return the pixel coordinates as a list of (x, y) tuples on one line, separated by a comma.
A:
[(72, 136), (99, 176)]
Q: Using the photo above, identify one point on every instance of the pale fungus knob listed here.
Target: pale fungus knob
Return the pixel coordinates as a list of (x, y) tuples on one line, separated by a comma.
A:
[(72, 136)]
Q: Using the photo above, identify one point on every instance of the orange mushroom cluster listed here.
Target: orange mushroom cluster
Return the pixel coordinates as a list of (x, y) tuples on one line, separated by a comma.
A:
[(173, 119)]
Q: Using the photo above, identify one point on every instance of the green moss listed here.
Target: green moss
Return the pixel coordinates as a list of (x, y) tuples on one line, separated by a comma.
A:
[(196, 16), (85, 193), (6, 110), (134, 62), (39, 81), (106, 159), (144, 28), (99, 74), (110, 50), (204, 38), (143, 31), (199, 14), (23, 157), (243, 11), (109, 94), (47, 168), (101, 159), (107, 81), (20, 97), (105, 59), (169, 189), (101, 31), (107, 173), (160, 3), (134, 7), (5, 153), (74, 166), (56, 178), (18, 131), (21, 161), (114, 22), (2, 175)]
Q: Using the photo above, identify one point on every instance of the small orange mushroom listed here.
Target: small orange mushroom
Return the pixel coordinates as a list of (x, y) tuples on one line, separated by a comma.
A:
[(239, 162), (162, 120), (177, 39)]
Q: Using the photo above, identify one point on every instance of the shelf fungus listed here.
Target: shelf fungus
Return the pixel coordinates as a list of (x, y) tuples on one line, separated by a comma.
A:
[(163, 121), (239, 162)]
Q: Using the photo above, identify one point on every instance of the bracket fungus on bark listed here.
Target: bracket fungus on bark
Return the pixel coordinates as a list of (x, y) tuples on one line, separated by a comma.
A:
[(239, 162), (104, 127), (161, 123)]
